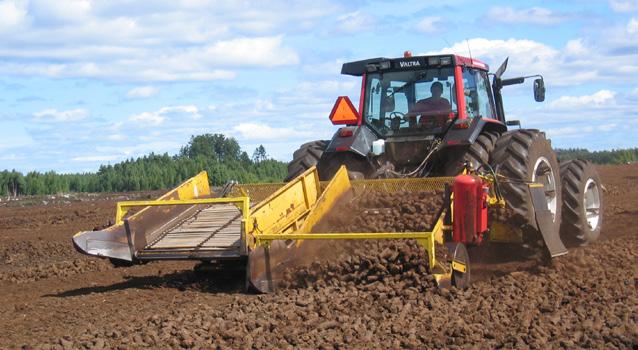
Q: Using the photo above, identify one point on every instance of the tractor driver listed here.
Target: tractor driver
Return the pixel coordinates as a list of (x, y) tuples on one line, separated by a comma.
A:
[(435, 103), (430, 109)]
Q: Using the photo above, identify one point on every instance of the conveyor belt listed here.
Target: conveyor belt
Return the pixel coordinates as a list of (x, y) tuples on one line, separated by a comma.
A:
[(212, 232)]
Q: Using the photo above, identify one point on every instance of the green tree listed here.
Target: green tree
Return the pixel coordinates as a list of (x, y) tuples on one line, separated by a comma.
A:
[(260, 154)]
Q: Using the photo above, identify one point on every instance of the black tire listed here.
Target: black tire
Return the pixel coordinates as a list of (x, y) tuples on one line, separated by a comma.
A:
[(305, 157), (476, 154), (579, 177), (515, 158), (358, 167), (121, 263)]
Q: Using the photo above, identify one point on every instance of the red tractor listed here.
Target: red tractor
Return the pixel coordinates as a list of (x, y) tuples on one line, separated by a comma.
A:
[(423, 116)]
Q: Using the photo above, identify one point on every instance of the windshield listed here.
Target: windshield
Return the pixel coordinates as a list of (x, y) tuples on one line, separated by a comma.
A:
[(410, 101)]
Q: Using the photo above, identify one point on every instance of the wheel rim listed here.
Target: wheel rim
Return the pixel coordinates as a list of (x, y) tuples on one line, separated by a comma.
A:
[(544, 174), (591, 203)]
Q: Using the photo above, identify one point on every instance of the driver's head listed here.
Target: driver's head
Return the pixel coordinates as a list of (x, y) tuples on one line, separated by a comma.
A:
[(436, 89)]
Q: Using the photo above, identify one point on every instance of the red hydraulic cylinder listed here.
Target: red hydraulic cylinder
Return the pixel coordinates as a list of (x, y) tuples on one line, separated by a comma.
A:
[(470, 209)]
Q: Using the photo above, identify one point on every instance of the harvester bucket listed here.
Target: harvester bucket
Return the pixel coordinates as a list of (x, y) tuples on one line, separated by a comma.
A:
[(119, 242), (266, 265)]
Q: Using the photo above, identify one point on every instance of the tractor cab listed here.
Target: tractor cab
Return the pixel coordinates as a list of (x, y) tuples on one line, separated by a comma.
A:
[(411, 105), (420, 95)]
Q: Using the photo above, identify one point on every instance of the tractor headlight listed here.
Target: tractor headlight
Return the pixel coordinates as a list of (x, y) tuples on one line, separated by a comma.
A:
[(384, 65), (434, 61)]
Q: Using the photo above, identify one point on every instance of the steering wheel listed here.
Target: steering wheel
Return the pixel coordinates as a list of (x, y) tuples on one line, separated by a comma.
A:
[(398, 115), (398, 118)]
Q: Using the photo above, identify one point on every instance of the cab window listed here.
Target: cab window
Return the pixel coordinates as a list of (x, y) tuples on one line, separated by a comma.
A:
[(478, 95)]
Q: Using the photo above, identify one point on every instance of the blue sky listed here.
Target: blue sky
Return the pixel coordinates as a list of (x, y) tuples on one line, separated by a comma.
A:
[(84, 83)]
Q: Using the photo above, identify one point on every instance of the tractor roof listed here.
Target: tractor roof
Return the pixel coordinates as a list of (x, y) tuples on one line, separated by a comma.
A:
[(358, 68)]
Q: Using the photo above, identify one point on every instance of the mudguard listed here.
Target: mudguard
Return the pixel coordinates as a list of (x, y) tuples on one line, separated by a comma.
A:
[(360, 142), (543, 216), (466, 137)]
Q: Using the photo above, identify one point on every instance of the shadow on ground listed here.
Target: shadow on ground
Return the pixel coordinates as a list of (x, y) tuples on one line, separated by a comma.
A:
[(188, 280)]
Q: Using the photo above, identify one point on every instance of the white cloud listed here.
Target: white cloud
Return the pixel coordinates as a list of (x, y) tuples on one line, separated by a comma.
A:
[(161, 115), (560, 67), (116, 137), (194, 63), (429, 25), (632, 26), (53, 114), (260, 51), (624, 5), (60, 10), (190, 111), (525, 56), (257, 131), (130, 70), (11, 15), (154, 118), (104, 158), (575, 47), (533, 15), (142, 92), (172, 41), (354, 22), (598, 99)]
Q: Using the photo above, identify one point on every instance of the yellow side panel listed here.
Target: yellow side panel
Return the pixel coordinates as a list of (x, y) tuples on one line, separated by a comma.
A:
[(336, 188), (282, 210), (257, 192), (195, 187)]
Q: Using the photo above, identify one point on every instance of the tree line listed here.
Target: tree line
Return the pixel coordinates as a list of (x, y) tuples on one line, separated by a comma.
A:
[(219, 155), (617, 156)]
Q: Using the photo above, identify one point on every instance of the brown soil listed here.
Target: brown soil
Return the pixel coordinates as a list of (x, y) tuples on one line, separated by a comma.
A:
[(52, 297), (401, 211)]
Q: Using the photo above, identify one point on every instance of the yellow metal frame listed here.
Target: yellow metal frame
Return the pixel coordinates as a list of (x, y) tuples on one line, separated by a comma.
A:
[(193, 188), (285, 209), (425, 239), (335, 189)]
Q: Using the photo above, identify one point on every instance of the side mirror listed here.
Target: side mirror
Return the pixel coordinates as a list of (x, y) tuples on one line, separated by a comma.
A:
[(539, 90), (501, 69)]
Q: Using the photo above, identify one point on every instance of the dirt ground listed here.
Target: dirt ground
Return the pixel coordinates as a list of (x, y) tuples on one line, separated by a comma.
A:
[(54, 298)]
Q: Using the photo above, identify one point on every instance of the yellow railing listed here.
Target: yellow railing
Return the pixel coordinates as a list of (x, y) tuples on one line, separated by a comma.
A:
[(338, 187)]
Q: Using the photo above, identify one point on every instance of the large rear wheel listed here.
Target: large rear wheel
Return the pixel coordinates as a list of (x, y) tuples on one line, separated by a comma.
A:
[(520, 157), (476, 154), (305, 157), (582, 202)]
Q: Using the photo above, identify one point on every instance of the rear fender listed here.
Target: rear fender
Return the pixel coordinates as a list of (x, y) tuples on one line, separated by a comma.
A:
[(359, 142), (466, 137)]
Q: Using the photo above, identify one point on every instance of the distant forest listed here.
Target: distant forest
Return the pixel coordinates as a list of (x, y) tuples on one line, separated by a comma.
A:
[(220, 156), (617, 156)]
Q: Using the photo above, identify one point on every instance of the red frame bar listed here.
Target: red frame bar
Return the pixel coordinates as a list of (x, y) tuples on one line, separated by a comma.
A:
[(362, 98), (460, 92)]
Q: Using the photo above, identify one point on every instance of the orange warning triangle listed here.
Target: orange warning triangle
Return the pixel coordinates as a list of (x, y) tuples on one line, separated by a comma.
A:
[(344, 112)]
